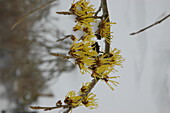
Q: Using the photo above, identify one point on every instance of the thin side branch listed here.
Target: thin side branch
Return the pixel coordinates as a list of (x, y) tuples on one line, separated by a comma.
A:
[(60, 55), (65, 13), (48, 108), (67, 36), (99, 9), (31, 12), (158, 22)]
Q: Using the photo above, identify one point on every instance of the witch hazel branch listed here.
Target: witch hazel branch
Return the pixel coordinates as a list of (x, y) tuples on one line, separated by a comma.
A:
[(88, 55)]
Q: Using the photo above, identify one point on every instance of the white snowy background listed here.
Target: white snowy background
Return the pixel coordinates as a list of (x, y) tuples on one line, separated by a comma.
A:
[(145, 79)]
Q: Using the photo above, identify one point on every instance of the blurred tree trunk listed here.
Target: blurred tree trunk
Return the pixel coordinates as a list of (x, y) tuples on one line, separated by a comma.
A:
[(19, 70), (18, 73)]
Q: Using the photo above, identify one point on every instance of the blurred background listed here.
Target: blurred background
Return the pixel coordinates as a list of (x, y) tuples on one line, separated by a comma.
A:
[(29, 75)]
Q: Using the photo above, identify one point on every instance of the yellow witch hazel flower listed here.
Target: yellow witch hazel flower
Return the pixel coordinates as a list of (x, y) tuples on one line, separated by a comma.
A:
[(72, 99), (82, 49), (84, 11), (82, 8), (115, 83), (104, 30), (84, 54), (85, 87), (105, 63), (89, 101), (117, 59)]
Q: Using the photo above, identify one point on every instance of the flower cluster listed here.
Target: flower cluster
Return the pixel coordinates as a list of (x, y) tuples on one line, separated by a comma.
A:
[(104, 64), (84, 54), (84, 12), (85, 87), (74, 99), (82, 50), (88, 55), (89, 101)]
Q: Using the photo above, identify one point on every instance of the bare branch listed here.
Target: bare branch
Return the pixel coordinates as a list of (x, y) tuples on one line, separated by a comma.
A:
[(31, 12), (67, 36), (99, 9), (65, 13), (60, 55), (158, 22), (48, 108)]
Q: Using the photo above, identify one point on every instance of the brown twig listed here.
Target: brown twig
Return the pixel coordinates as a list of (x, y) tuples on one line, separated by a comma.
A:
[(60, 55), (70, 13), (99, 9), (49, 108), (31, 12), (67, 36), (158, 22), (65, 13)]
